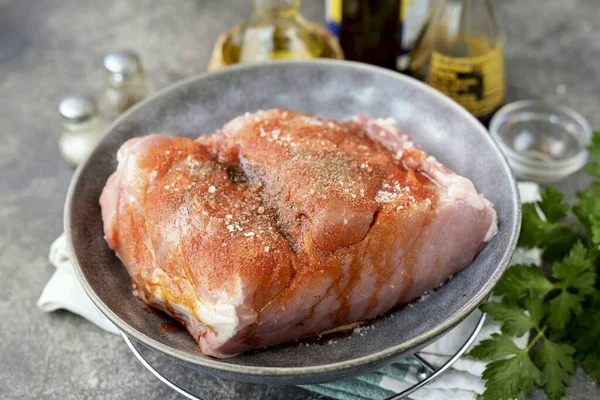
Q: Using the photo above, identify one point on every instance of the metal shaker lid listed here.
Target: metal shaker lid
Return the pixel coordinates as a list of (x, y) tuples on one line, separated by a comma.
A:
[(122, 65), (78, 108)]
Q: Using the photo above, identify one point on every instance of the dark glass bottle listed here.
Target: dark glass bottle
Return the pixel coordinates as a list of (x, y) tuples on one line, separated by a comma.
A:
[(370, 31), (380, 32)]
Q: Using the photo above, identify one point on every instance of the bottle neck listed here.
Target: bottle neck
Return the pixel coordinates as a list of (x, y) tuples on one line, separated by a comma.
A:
[(276, 8)]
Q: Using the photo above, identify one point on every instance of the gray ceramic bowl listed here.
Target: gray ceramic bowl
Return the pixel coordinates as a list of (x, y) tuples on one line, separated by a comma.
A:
[(330, 89)]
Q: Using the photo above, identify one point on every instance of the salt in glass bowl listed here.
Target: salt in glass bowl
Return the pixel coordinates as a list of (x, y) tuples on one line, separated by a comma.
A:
[(543, 143)]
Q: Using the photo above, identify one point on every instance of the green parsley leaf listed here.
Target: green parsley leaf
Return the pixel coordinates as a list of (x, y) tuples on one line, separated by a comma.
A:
[(556, 363), (556, 244), (584, 335), (589, 203), (591, 364), (576, 277), (534, 304), (498, 346), (593, 168), (552, 204), (594, 153), (533, 228), (511, 378), (594, 148), (519, 280), (595, 230), (575, 270), (562, 307), (512, 317), (541, 226)]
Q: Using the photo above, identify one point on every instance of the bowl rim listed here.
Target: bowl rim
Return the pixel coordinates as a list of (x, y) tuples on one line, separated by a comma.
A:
[(514, 221)]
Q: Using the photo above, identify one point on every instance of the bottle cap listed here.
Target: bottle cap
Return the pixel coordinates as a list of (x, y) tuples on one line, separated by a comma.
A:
[(122, 65), (77, 108)]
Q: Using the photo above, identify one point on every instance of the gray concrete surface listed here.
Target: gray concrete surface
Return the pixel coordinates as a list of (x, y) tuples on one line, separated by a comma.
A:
[(51, 48)]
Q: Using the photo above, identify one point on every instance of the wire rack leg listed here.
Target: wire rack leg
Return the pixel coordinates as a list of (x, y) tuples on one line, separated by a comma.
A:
[(154, 372), (435, 373)]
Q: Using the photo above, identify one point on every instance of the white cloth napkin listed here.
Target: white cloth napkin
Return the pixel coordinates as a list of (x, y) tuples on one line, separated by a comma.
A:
[(63, 290), (462, 381)]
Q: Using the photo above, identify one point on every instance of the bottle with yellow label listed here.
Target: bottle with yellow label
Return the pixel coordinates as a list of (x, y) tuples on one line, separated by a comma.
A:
[(460, 53)]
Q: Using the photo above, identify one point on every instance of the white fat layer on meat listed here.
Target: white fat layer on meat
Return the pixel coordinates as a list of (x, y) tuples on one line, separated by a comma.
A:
[(493, 229), (460, 188), (389, 125), (220, 315)]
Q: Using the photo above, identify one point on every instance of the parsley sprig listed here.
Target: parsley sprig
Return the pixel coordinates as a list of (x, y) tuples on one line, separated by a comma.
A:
[(561, 309)]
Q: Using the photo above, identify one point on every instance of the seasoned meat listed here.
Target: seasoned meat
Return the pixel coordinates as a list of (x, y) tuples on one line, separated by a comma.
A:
[(283, 225)]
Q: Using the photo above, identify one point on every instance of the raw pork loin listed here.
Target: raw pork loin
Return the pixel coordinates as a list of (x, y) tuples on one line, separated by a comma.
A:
[(283, 225)]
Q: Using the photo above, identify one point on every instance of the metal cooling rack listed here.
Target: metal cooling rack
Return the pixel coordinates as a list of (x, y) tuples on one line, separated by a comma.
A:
[(426, 374)]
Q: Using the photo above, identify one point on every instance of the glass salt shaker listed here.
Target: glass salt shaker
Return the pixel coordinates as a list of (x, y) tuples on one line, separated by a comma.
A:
[(82, 127), (126, 83)]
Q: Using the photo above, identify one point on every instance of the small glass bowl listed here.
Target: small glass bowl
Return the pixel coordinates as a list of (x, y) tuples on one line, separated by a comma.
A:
[(543, 143)]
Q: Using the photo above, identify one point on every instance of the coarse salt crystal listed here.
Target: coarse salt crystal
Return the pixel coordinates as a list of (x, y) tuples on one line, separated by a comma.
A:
[(261, 210), (345, 221), (385, 197), (249, 234), (229, 216), (212, 189), (267, 248), (167, 187), (230, 227)]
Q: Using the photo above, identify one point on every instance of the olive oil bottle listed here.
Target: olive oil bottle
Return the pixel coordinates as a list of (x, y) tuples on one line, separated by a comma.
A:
[(276, 30), (460, 53)]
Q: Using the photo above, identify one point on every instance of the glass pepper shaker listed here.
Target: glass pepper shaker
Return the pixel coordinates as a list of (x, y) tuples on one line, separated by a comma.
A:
[(125, 83), (82, 127)]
